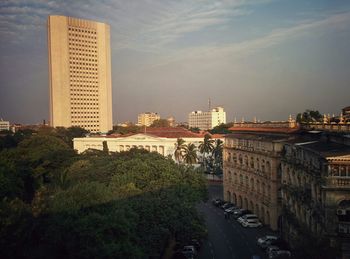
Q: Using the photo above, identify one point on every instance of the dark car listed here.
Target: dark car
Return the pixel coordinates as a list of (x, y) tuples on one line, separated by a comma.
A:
[(218, 202), (227, 205)]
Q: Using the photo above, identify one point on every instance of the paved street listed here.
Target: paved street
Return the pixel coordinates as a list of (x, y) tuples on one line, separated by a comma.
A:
[(226, 238)]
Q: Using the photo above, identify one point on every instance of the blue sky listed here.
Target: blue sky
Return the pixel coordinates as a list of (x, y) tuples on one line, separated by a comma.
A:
[(258, 58)]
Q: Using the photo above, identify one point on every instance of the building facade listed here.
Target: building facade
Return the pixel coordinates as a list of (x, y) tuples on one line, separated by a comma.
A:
[(161, 140), (4, 125), (316, 193), (79, 73), (207, 120), (251, 178), (147, 118)]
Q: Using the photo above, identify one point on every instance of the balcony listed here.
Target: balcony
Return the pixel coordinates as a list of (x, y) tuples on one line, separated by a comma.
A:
[(337, 182)]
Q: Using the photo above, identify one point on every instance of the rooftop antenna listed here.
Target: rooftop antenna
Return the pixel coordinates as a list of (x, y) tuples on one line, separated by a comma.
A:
[(209, 104)]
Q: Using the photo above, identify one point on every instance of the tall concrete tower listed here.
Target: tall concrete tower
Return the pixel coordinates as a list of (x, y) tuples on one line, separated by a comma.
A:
[(79, 73)]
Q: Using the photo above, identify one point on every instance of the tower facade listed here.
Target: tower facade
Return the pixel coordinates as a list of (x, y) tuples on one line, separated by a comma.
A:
[(80, 73)]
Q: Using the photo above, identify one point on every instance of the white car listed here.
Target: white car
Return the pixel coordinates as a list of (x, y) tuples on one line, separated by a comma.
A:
[(252, 223), (247, 216), (262, 240)]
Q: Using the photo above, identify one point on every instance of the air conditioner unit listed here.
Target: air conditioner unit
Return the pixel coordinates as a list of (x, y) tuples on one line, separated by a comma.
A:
[(341, 212)]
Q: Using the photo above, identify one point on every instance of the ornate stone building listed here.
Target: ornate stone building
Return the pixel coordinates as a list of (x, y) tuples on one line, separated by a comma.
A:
[(251, 179), (316, 192)]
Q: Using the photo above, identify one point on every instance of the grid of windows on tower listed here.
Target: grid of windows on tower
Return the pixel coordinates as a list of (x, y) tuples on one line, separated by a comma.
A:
[(83, 75)]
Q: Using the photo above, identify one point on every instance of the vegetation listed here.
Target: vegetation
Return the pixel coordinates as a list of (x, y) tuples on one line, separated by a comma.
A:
[(222, 128), (179, 149), (195, 129), (309, 116), (55, 203), (190, 154), (161, 123), (126, 130), (211, 151)]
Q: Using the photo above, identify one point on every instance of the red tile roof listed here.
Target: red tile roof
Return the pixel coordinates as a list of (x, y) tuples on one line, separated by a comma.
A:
[(265, 129)]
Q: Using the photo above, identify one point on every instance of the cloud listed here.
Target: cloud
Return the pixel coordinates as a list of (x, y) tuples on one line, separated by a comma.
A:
[(277, 36), (142, 25)]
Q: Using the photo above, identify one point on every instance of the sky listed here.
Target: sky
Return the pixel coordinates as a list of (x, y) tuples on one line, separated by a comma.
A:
[(256, 58)]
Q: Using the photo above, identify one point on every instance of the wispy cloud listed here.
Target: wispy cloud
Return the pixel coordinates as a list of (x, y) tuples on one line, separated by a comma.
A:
[(277, 36), (143, 25)]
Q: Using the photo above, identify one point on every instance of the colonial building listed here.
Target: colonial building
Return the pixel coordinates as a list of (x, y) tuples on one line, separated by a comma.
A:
[(207, 120), (161, 140), (316, 192), (252, 157), (251, 178)]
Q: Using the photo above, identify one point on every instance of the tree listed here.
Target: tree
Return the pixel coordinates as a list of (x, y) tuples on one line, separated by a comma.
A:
[(161, 123), (195, 129), (126, 130), (205, 148), (222, 128), (217, 155), (179, 149), (190, 154), (309, 116)]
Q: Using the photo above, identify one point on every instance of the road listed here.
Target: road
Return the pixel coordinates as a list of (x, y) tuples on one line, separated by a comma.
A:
[(226, 238)]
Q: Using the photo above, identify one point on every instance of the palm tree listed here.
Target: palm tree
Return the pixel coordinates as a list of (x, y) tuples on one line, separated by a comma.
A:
[(217, 154), (207, 145), (179, 149), (205, 148), (190, 153)]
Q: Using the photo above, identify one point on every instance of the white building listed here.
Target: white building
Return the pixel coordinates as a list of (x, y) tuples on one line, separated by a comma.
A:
[(161, 140), (146, 119), (207, 120), (4, 125)]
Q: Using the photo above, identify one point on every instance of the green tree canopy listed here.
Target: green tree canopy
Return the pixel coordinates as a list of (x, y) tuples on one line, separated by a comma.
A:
[(309, 116)]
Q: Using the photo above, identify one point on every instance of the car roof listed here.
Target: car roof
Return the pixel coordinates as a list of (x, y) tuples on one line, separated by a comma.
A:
[(252, 220)]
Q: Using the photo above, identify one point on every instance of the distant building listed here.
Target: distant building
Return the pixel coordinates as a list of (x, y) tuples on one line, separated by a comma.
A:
[(4, 125), (346, 113), (171, 121), (146, 119), (207, 120), (79, 73)]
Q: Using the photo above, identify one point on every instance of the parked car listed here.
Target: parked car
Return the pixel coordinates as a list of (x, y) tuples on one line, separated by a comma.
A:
[(189, 251), (280, 254), (262, 240), (275, 242), (227, 205), (247, 216), (218, 202), (252, 223), (231, 209), (241, 212), (196, 243), (270, 249)]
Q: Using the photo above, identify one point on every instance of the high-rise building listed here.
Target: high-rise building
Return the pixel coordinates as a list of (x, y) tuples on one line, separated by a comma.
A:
[(146, 119), (79, 73), (4, 125), (207, 120)]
